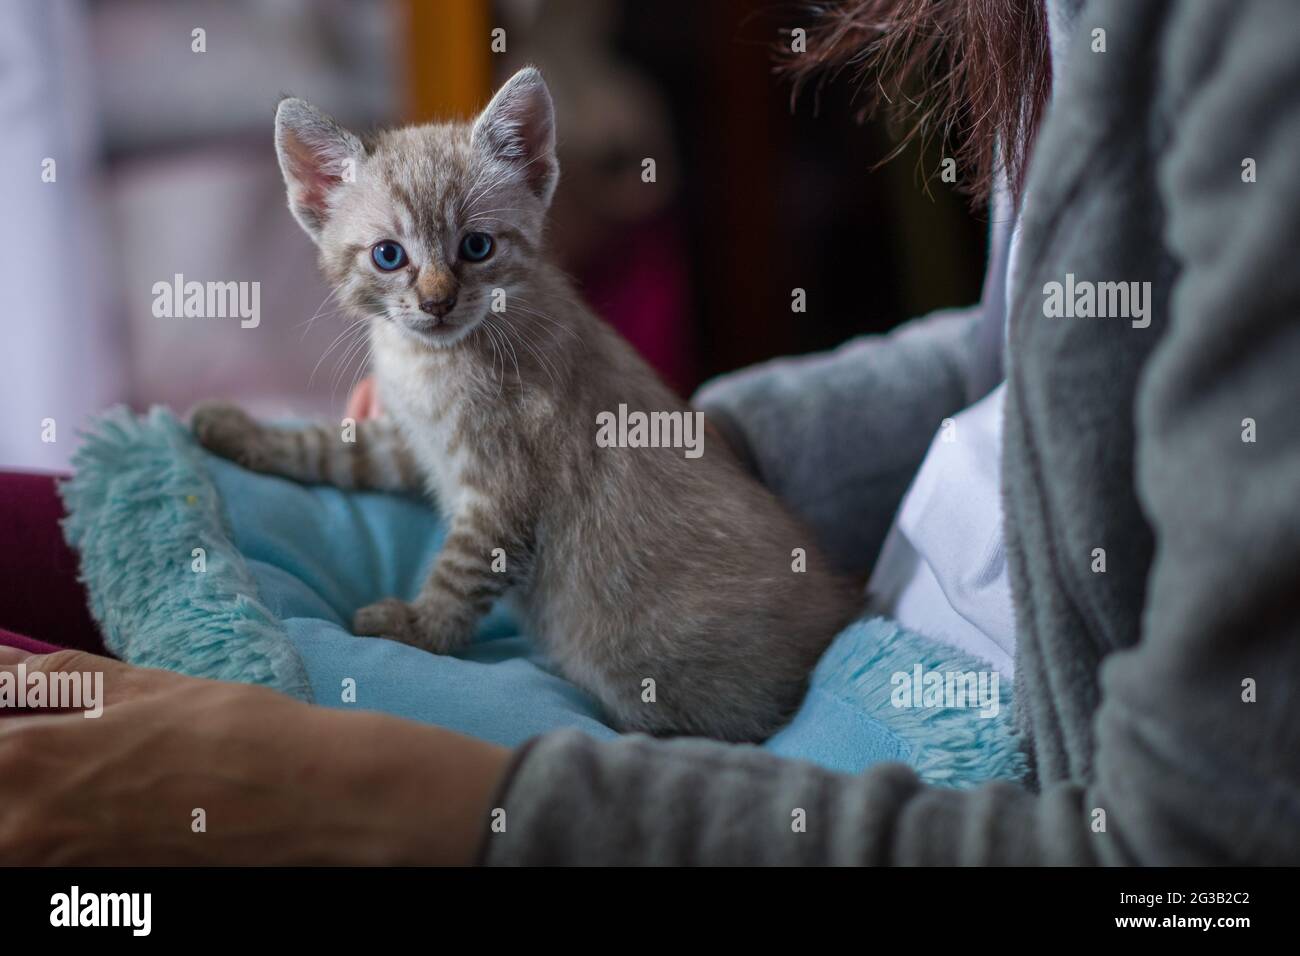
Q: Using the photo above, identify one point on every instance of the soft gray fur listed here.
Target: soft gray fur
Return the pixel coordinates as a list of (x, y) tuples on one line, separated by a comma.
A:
[(629, 564)]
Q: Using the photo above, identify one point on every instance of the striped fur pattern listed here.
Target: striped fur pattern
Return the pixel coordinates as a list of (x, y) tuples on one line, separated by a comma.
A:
[(665, 585)]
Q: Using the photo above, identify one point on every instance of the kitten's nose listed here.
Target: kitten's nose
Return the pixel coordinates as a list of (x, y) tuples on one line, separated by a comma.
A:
[(438, 307)]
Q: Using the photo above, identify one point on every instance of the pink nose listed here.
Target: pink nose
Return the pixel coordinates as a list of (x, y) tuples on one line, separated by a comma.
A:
[(438, 307)]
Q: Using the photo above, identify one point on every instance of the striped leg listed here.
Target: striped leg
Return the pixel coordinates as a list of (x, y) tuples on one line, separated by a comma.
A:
[(371, 457), (469, 575)]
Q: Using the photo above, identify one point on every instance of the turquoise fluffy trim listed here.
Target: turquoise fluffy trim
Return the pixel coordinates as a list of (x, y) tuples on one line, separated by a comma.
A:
[(947, 746), (138, 505)]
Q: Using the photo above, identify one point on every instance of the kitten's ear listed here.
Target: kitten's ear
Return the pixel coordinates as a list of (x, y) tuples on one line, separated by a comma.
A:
[(316, 157), (518, 127)]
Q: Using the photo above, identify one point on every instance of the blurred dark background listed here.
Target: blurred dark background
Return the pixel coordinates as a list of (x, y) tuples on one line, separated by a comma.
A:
[(166, 165), (771, 198)]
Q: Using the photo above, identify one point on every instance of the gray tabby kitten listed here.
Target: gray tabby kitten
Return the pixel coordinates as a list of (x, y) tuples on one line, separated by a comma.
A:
[(629, 565)]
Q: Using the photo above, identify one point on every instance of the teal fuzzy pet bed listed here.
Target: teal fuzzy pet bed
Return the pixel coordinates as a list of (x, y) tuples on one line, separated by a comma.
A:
[(196, 565)]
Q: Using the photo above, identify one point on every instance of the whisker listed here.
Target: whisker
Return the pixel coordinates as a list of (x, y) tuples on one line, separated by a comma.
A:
[(355, 346), (525, 306), (338, 340), (551, 321), (519, 376), (501, 383), (501, 380), (361, 368), (527, 343), (334, 290)]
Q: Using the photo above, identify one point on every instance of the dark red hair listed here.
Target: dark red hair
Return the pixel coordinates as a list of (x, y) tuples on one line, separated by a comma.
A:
[(977, 73)]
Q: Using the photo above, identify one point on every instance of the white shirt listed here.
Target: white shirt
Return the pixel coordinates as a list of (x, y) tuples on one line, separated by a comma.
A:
[(943, 569)]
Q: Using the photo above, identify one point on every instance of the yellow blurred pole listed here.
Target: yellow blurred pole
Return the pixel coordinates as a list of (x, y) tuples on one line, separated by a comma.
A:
[(446, 50)]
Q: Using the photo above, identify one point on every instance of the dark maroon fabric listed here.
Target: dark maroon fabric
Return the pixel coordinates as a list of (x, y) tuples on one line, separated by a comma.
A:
[(40, 596), (30, 645)]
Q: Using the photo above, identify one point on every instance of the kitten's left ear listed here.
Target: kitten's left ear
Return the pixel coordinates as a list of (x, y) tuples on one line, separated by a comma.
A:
[(518, 127)]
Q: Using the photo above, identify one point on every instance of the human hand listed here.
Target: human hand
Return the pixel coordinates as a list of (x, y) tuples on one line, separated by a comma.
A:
[(274, 781), (363, 403)]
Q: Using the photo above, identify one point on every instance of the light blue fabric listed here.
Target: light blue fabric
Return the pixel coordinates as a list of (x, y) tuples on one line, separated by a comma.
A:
[(289, 564)]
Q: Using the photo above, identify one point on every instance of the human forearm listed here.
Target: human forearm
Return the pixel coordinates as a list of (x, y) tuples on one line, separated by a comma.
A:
[(839, 435), (180, 770), (401, 793), (638, 801)]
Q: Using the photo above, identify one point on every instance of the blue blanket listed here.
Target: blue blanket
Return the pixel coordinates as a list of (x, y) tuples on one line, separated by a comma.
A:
[(197, 565)]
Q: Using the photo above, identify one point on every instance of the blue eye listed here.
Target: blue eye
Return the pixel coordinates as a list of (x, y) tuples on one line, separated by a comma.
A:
[(388, 255), (476, 246)]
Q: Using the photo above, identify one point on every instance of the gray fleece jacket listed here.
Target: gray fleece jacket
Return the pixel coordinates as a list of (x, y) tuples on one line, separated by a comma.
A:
[(1157, 698)]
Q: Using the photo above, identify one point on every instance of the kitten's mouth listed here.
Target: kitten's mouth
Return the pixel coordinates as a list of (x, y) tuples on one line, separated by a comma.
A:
[(432, 326), (435, 331)]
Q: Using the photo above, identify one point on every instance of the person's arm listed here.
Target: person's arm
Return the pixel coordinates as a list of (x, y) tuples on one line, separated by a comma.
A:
[(178, 770), (839, 435), (636, 801), (1197, 742)]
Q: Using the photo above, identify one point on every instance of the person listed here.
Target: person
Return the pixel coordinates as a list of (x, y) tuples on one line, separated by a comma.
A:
[(1122, 524)]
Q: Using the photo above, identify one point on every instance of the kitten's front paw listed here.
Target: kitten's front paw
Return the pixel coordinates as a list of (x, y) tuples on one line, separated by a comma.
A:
[(408, 623), (229, 431), (387, 618)]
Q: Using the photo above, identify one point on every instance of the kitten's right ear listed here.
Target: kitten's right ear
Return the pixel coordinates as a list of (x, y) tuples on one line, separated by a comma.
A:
[(317, 156)]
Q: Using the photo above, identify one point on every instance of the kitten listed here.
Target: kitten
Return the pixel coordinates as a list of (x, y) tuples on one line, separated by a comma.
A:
[(629, 565)]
